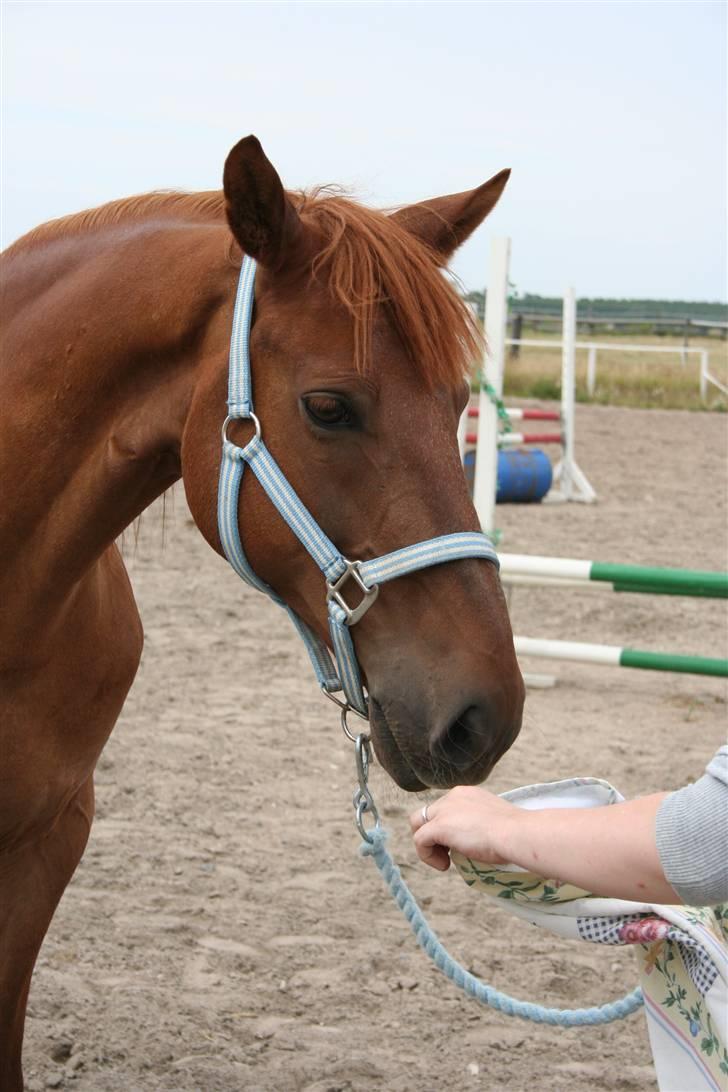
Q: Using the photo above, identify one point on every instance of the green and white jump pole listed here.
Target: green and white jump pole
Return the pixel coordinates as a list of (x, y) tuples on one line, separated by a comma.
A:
[(615, 656), (570, 572), (650, 580)]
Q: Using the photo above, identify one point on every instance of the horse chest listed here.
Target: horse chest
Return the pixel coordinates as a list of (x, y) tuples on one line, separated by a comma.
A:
[(62, 695)]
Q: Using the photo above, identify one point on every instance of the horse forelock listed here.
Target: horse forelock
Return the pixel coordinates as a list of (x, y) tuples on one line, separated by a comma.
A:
[(368, 260)]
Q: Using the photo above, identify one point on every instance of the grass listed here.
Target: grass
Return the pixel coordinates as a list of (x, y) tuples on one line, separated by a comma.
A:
[(646, 380)]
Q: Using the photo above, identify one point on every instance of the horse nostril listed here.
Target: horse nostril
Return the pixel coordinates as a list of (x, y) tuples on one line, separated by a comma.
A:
[(458, 735), (461, 742)]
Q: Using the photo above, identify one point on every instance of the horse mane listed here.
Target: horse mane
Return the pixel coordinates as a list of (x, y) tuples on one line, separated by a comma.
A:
[(164, 204), (367, 259)]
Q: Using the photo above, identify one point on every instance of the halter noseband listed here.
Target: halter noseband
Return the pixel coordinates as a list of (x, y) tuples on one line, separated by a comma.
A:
[(339, 573)]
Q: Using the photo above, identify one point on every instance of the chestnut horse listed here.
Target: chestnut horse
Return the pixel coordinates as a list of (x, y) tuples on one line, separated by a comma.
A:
[(113, 386)]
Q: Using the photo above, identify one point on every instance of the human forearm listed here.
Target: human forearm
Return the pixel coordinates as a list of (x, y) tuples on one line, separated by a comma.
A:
[(608, 851)]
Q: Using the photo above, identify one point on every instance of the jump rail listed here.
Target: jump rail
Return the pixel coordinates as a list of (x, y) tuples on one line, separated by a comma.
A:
[(614, 656), (650, 580), (645, 579), (515, 439), (518, 414)]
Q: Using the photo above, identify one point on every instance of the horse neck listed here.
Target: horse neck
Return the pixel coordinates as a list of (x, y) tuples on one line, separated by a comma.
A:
[(105, 336)]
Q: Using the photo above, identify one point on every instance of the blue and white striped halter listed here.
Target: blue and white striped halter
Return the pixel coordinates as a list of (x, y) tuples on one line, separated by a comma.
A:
[(337, 570)]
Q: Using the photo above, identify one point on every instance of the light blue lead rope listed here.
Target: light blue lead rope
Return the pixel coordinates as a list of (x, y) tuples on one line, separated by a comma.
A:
[(510, 1006)]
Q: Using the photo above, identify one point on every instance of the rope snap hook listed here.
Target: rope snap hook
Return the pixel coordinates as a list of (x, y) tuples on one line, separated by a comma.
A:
[(363, 800)]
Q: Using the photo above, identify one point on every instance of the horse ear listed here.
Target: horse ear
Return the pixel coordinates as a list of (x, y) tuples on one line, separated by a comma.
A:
[(446, 222), (261, 217)]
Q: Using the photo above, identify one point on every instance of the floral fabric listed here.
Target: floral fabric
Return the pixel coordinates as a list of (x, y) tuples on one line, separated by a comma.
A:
[(682, 952)]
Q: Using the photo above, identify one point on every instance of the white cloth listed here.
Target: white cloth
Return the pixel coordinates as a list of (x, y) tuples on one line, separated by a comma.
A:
[(682, 952)]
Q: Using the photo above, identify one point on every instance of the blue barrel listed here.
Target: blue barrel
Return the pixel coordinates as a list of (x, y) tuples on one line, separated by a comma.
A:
[(523, 475)]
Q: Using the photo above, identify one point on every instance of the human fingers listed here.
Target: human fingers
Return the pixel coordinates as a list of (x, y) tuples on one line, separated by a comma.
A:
[(418, 818), (430, 851)]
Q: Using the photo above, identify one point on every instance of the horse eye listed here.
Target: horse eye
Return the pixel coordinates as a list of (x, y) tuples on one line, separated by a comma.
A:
[(326, 410)]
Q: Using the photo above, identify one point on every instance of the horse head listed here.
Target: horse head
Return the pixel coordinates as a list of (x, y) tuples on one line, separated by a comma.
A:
[(360, 348)]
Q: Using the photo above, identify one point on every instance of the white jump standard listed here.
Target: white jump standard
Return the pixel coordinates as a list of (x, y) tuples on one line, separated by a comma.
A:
[(572, 482)]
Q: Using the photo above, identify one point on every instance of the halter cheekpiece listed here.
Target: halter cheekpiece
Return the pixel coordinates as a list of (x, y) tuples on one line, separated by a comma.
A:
[(344, 579)]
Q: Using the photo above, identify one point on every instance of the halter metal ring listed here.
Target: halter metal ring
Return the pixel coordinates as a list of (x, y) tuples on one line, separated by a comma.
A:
[(333, 591), (345, 710), (251, 417)]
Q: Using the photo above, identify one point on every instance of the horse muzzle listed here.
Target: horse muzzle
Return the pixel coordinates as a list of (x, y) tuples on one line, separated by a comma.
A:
[(421, 748)]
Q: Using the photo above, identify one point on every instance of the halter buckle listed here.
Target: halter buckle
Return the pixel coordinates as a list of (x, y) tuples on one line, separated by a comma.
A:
[(333, 591)]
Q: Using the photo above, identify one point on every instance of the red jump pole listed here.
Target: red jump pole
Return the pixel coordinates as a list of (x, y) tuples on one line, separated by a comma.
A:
[(525, 414), (512, 439)]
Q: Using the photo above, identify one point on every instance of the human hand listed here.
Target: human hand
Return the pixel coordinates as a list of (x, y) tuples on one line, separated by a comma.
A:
[(468, 819)]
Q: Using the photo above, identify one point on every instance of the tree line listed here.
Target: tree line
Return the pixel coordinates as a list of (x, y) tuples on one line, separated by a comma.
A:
[(603, 308)]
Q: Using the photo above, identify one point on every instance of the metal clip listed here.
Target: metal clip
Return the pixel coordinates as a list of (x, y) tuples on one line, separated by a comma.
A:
[(333, 591), (345, 710), (363, 800)]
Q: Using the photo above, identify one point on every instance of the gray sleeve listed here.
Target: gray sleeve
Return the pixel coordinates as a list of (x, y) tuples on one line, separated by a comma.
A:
[(691, 828)]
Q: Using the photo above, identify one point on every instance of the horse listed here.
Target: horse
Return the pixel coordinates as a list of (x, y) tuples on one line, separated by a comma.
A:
[(116, 334)]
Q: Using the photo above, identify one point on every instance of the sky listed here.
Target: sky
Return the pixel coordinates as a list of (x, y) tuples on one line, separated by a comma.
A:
[(612, 116)]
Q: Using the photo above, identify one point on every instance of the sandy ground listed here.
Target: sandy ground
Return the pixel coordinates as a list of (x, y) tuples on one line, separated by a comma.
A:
[(221, 932)]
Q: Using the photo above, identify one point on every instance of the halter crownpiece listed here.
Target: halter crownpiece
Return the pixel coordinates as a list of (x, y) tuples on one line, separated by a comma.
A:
[(344, 578)]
